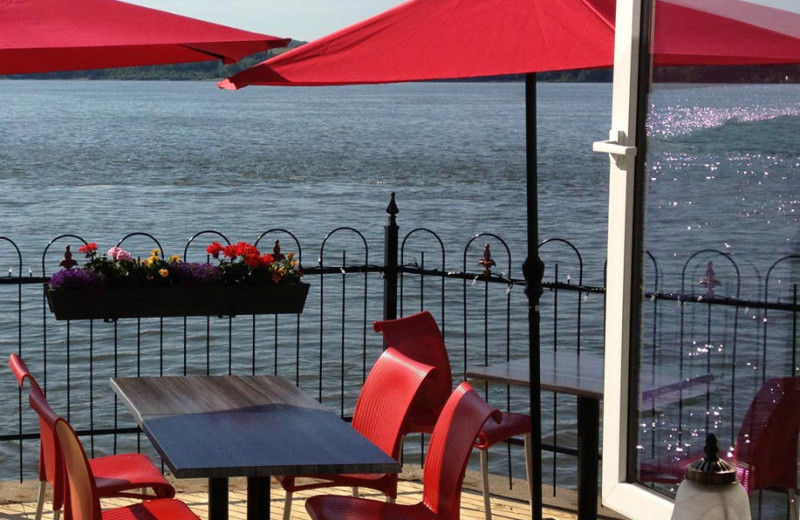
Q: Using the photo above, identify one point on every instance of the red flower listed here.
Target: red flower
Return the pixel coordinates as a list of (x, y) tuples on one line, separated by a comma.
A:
[(229, 252), (267, 259), (89, 248), (214, 249), (245, 249), (252, 260)]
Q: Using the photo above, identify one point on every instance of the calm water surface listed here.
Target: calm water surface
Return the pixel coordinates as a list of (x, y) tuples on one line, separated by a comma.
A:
[(103, 159)]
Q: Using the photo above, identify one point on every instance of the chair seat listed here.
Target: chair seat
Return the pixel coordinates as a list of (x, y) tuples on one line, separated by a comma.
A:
[(116, 474), (383, 482), (161, 509), (331, 507), (511, 424)]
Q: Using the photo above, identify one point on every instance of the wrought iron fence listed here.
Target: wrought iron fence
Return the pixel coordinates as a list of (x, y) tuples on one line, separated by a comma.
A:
[(703, 327)]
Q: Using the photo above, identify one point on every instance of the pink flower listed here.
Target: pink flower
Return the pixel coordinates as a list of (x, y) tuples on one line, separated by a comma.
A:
[(117, 253)]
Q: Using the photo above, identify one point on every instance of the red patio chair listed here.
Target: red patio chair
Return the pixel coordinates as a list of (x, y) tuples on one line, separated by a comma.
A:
[(418, 337), (115, 475), (380, 411), (451, 443), (83, 501), (765, 453)]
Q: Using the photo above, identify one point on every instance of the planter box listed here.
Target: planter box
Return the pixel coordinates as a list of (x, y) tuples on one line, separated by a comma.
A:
[(219, 300)]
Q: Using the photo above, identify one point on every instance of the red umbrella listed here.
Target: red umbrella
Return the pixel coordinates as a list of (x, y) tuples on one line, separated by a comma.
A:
[(58, 35), (436, 39)]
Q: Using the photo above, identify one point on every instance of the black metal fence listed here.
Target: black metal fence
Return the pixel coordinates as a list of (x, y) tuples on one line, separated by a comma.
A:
[(703, 326)]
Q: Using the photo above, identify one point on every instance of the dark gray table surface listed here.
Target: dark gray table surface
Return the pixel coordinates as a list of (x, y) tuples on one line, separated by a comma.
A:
[(252, 426)]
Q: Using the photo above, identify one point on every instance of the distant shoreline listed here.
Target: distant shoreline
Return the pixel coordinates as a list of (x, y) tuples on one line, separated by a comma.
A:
[(214, 71)]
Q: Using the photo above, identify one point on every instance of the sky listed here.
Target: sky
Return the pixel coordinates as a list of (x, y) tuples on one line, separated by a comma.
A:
[(297, 19), (305, 19)]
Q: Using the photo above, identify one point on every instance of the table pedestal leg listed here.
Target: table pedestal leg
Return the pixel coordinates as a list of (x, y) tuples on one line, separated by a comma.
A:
[(588, 456), (258, 498), (218, 499)]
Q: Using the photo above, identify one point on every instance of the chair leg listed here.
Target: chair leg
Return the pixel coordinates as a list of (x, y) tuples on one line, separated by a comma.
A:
[(526, 445), (485, 483), (56, 514), (287, 506), (355, 491), (794, 511), (40, 499)]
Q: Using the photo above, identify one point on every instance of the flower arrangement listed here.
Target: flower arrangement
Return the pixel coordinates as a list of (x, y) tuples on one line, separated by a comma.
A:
[(239, 264)]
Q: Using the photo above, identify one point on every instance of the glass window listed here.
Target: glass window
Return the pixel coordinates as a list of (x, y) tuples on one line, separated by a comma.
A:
[(718, 334)]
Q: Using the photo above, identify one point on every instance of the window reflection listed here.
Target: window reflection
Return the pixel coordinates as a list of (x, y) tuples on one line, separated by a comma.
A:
[(719, 329)]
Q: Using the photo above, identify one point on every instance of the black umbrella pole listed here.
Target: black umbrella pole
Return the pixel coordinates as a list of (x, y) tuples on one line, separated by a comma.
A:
[(533, 270)]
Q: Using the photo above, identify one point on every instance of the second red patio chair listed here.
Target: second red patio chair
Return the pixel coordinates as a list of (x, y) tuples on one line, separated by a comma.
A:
[(83, 501), (418, 337), (765, 454), (381, 409), (452, 441), (120, 475)]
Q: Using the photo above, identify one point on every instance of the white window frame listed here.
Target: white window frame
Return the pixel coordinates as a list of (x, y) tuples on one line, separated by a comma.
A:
[(632, 500)]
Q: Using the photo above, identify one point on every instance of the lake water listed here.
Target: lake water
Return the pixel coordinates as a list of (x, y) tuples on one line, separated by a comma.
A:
[(103, 159)]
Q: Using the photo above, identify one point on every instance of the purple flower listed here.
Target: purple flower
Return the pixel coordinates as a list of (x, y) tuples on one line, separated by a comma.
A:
[(76, 279), (194, 274)]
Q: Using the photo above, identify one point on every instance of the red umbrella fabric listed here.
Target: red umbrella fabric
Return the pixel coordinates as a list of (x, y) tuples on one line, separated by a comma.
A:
[(59, 35), (440, 39)]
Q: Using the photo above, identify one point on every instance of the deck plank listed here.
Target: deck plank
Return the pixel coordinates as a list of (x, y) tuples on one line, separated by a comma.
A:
[(409, 492)]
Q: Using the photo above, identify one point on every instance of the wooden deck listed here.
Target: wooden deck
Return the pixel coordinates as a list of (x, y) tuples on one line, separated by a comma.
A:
[(17, 501), (410, 492)]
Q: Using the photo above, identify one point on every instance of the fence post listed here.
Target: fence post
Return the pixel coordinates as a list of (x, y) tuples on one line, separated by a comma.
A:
[(390, 248)]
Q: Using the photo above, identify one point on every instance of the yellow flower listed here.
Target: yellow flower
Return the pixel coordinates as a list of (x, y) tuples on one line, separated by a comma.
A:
[(152, 260), (163, 272), (290, 256), (155, 252), (175, 258)]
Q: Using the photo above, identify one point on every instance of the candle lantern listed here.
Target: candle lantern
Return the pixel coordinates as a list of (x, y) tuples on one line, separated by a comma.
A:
[(711, 490)]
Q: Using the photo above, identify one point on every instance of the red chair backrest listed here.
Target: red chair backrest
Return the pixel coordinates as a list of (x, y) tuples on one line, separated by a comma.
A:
[(21, 372), (766, 447), (82, 503), (448, 453), (418, 337), (50, 467), (385, 399), (47, 451)]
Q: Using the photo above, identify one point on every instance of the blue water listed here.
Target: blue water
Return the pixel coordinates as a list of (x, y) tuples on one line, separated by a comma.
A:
[(103, 159)]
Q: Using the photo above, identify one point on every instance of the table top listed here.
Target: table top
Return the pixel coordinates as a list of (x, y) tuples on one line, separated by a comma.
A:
[(582, 375), (226, 426), (562, 372)]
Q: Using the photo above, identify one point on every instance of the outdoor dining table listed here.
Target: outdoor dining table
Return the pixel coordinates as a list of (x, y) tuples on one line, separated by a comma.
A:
[(218, 427), (581, 375)]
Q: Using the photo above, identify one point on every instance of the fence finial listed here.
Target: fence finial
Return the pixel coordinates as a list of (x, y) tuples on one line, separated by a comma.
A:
[(68, 262), (276, 252), (392, 210), (487, 262), (709, 282)]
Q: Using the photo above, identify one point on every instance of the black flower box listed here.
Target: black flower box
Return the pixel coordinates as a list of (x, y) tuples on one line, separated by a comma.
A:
[(152, 302)]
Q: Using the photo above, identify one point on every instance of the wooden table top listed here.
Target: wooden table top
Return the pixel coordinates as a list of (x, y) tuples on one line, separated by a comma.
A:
[(226, 426), (582, 375)]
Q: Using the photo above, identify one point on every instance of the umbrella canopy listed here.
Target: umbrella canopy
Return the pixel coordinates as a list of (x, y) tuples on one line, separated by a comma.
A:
[(440, 39), (59, 35)]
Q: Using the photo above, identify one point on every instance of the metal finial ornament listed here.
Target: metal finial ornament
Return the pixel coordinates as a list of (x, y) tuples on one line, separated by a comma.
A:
[(392, 209), (487, 262), (709, 282), (711, 469), (68, 262), (276, 252)]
